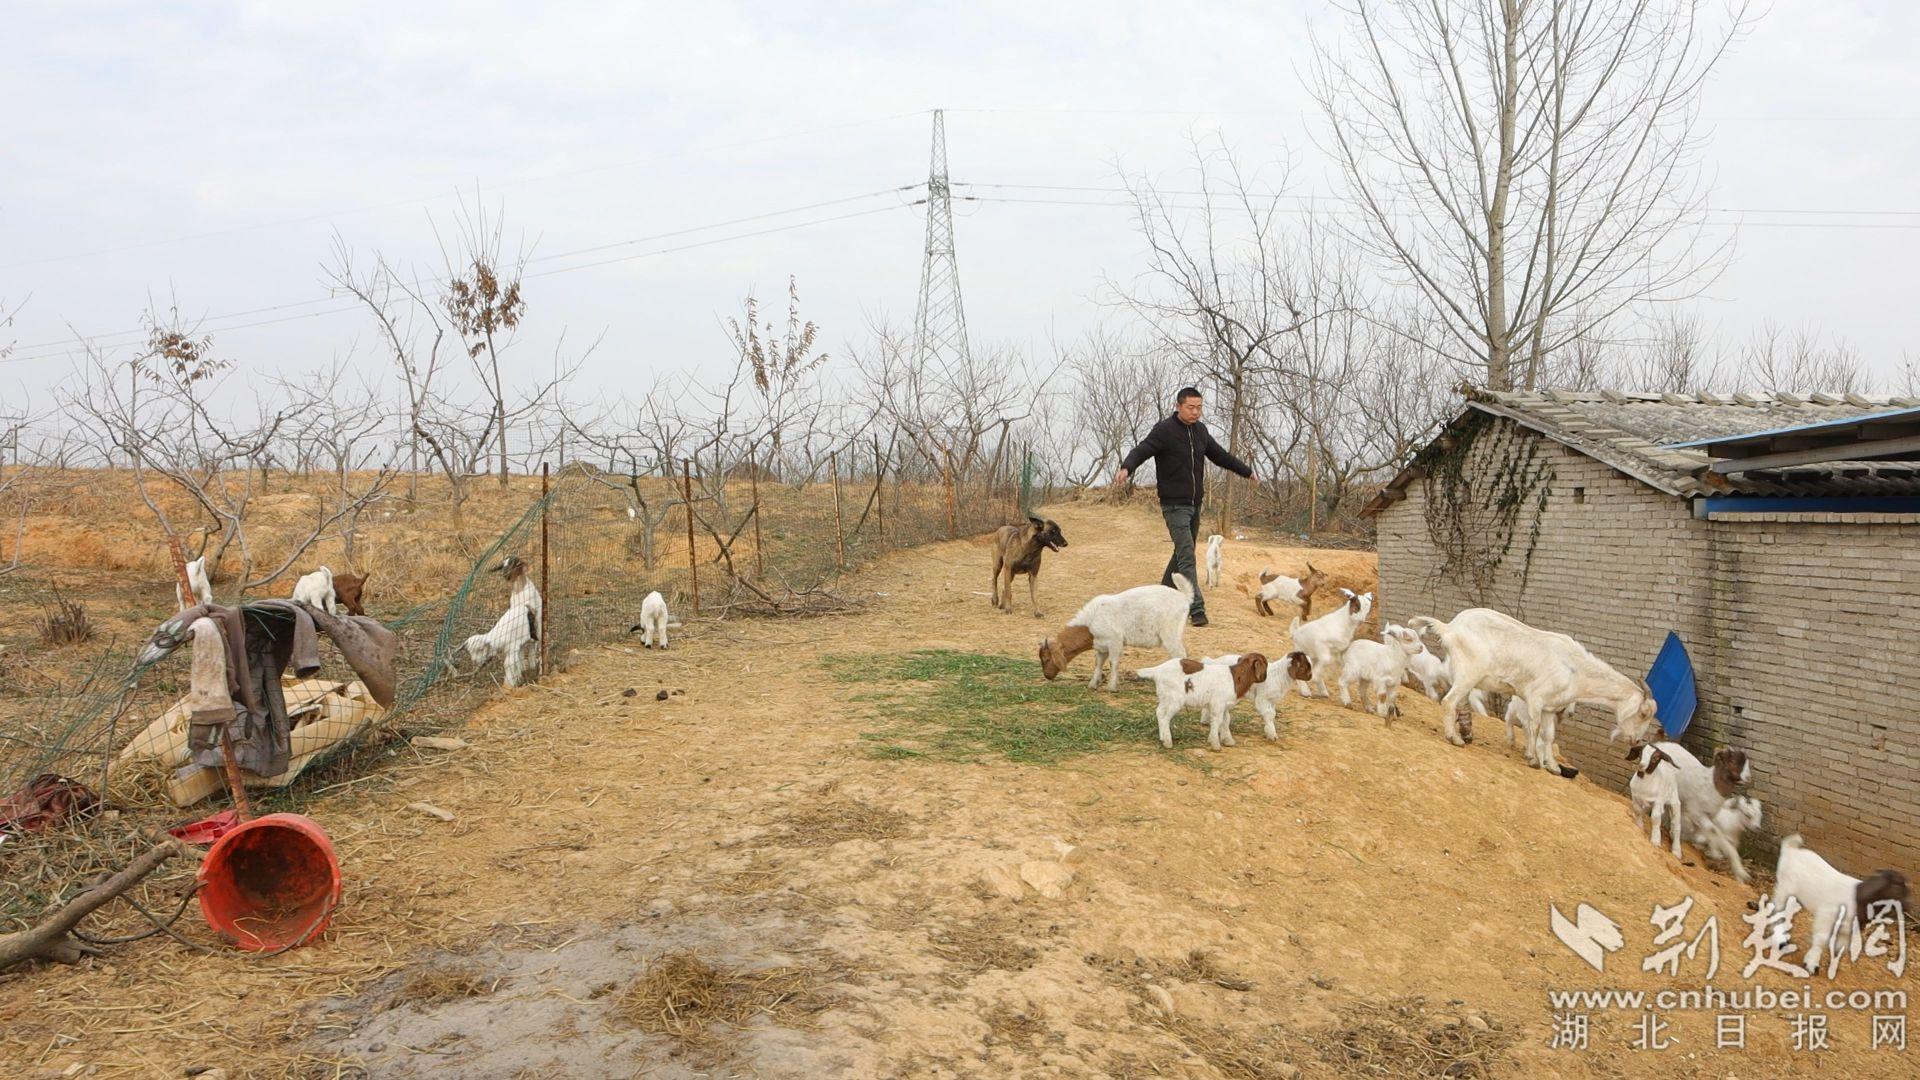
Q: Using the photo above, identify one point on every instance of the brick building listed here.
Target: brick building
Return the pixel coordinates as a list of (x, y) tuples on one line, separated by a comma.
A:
[(1778, 537)]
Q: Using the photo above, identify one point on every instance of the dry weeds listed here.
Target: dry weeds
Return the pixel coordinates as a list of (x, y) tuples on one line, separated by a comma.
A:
[(682, 995), (434, 985), (1403, 1038), (981, 946), (831, 822)]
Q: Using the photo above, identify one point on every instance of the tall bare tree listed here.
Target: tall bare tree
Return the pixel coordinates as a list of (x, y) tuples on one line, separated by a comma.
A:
[(1218, 290), (410, 328), (1524, 162), (481, 297)]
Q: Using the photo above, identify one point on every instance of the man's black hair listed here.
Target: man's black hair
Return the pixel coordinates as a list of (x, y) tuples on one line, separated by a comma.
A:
[(1185, 393)]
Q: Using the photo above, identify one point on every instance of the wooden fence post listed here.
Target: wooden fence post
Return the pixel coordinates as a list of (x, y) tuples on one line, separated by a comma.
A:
[(839, 521), (546, 598), (953, 521), (686, 493), (759, 567), (880, 493)]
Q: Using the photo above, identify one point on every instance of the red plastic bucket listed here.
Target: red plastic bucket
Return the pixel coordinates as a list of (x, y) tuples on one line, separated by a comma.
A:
[(270, 883)]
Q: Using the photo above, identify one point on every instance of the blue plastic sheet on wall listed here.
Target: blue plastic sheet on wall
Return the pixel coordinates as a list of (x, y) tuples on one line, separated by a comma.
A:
[(1674, 691)]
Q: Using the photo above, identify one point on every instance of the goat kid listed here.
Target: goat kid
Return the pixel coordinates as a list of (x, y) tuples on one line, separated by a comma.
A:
[(653, 621), (1278, 588), (316, 590), (515, 636), (1213, 559), (1142, 616), (1655, 790), (1378, 667), (1271, 689), (1211, 688), (1712, 804), (1838, 904), (1328, 636), (197, 578)]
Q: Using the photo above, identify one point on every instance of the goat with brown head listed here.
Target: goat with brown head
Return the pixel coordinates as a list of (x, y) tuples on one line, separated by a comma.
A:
[(348, 589)]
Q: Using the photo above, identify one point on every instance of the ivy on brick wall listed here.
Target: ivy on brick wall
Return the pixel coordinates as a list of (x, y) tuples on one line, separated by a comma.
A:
[(1486, 489)]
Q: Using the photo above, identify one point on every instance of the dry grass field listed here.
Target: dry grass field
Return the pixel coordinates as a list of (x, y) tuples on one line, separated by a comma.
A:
[(878, 844)]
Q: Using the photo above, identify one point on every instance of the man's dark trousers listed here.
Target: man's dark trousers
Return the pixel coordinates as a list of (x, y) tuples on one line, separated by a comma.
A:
[(1183, 524)]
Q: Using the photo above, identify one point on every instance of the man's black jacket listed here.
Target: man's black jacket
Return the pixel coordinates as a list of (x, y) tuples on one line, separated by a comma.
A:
[(1178, 451)]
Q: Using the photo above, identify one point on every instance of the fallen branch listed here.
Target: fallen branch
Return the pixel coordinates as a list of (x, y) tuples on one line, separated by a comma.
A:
[(53, 940)]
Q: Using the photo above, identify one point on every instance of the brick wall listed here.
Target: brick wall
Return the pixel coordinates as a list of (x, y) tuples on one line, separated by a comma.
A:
[(1790, 624)]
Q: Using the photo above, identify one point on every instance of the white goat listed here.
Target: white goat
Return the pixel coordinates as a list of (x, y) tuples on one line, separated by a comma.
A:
[(1551, 672), (1427, 673), (1328, 636), (1281, 589), (1212, 688), (1213, 559), (197, 577), (515, 636), (1144, 615), (1718, 834), (1711, 807), (1378, 667), (316, 590), (1655, 790), (1829, 897), (1269, 690), (653, 621)]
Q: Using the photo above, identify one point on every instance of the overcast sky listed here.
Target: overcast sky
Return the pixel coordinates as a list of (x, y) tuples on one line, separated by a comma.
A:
[(210, 152)]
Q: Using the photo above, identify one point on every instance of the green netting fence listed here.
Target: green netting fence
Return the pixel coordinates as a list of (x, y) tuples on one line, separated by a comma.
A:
[(761, 546)]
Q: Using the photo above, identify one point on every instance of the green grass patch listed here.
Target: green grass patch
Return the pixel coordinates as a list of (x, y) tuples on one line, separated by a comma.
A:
[(946, 705)]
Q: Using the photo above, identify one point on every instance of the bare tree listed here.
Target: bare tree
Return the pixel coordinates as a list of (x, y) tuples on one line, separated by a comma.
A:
[(1678, 359), (1800, 362), (638, 442), (1527, 165), (481, 297), (1218, 291), (411, 329), (1119, 390), (169, 432)]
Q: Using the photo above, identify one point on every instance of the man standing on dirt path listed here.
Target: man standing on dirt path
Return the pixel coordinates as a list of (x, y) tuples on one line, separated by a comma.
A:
[(1180, 447)]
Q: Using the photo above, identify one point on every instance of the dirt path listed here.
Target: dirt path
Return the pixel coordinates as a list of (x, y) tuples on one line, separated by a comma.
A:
[(1269, 911)]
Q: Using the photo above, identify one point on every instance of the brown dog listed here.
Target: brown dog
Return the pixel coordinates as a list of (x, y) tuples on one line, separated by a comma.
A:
[(1017, 550)]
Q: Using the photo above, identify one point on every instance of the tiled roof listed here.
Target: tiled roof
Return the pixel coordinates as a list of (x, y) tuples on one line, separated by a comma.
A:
[(1637, 434)]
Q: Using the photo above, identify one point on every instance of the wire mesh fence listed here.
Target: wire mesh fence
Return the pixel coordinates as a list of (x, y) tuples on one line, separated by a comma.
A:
[(748, 544)]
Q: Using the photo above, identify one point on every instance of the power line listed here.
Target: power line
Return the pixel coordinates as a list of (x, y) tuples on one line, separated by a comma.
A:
[(72, 351), (65, 345), (1736, 225), (423, 200), (1822, 211)]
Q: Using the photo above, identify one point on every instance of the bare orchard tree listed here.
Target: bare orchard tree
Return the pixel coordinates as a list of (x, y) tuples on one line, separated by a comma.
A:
[(1802, 362), (481, 298), (16, 481), (953, 414), (410, 328), (637, 441), (1675, 358), (1520, 161), (155, 411), (1218, 292), (1120, 388), (782, 365), (337, 422)]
